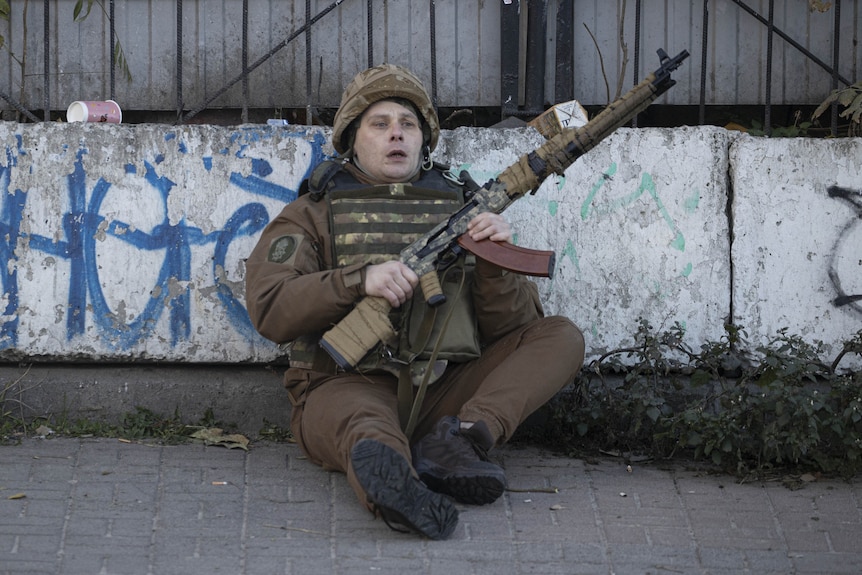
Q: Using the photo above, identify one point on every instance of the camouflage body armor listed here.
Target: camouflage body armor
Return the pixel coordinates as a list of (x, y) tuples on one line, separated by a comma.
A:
[(373, 224)]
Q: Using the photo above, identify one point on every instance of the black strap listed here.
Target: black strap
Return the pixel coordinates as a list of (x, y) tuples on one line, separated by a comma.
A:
[(318, 182)]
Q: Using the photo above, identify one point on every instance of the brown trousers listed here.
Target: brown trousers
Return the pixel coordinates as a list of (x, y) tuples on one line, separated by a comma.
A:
[(513, 378)]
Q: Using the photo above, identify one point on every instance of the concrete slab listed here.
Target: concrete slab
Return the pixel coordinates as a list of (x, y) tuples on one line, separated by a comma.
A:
[(797, 213)]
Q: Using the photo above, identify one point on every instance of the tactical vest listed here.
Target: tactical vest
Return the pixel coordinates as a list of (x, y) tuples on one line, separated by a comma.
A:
[(372, 224)]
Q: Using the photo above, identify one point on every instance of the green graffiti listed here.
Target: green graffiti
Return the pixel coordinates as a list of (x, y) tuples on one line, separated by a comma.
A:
[(572, 253), (585, 207), (692, 203), (686, 271), (552, 207), (648, 185)]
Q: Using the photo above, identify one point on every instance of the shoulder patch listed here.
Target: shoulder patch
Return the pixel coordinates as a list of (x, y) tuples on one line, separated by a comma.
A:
[(284, 248)]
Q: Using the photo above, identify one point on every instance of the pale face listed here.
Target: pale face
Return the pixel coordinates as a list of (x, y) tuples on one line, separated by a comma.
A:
[(388, 142)]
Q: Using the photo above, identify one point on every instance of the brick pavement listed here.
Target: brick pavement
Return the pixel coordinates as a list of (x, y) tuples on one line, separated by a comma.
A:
[(104, 507)]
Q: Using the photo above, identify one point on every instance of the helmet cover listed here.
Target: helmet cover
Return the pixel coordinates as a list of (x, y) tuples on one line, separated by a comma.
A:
[(379, 83)]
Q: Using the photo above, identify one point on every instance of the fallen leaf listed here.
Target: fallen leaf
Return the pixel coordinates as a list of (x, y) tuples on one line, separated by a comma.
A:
[(216, 436), (18, 496)]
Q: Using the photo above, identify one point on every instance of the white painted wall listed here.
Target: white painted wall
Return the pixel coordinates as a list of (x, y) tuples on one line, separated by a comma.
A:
[(126, 243), (797, 255)]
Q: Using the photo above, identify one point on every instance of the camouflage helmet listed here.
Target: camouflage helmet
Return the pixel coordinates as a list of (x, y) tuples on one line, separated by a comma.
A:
[(379, 83)]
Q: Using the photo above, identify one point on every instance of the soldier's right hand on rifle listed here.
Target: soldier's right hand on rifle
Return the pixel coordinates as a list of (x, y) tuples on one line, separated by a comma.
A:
[(391, 280)]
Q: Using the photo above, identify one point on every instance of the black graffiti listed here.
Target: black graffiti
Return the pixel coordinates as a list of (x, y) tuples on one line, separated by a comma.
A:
[(854, 199)]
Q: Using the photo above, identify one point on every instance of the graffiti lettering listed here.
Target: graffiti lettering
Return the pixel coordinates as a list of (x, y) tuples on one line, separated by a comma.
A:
[(10, 223), (848, 242), (85, 225)]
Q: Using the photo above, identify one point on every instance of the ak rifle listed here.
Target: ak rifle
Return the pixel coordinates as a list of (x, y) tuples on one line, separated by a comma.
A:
[(368, 323)]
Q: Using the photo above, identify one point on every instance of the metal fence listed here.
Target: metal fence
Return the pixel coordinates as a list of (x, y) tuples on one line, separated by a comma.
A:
[(525, 65)]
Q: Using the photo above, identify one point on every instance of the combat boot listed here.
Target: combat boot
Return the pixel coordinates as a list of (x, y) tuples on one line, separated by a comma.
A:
[(400, 498), (455, 462)]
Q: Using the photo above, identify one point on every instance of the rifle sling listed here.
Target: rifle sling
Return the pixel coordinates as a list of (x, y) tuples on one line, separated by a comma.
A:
[(408, 405)]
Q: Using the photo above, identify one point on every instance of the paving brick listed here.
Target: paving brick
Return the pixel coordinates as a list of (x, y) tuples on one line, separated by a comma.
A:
[(103, 506)]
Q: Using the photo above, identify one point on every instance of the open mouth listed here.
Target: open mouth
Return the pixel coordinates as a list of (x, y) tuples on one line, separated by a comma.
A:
[(397, 154)]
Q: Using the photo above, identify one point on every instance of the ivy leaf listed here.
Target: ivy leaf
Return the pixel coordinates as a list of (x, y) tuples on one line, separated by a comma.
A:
[(76, 12), (120, 60)]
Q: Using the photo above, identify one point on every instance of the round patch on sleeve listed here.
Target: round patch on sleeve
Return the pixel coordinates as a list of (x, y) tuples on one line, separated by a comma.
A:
[(282, 249)]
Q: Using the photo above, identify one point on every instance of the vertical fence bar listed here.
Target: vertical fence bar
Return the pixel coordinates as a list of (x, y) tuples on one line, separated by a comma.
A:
[(770, 30), (637, 50), (46, 100), (536, 49), (245, 61), (701, 115), (564, 87), (509, 38), (113, 50), (369, 19), (836, 37), (432, 18), (179, 78), (308, 63)]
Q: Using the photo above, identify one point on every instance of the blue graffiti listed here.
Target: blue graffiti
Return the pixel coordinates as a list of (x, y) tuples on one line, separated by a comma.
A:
[(84, 222), (10, 223)]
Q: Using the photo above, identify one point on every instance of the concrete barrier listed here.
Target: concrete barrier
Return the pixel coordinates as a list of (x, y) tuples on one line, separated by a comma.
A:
[(125, 243), (797, 250)]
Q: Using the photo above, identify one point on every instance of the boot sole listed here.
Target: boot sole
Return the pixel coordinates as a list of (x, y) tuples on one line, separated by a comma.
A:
[(469, 489), (401, 498)]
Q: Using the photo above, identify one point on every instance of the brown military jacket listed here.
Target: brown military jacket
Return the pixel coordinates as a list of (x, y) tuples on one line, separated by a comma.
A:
[(293, 290)]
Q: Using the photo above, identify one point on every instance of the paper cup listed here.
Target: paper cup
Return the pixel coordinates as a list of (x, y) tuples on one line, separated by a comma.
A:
[(94, 111)]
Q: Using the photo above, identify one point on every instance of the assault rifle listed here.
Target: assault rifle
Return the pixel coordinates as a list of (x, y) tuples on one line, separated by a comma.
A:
[(368, 323)]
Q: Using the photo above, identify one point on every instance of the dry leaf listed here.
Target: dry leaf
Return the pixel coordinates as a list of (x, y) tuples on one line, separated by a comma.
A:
[(216, 436)]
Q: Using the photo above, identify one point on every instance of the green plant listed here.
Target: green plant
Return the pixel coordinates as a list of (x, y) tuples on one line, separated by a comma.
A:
[(797, 130), (849, 97), (139, 425), (276, 433), (7, 423), (119, 55), (12, 419), (80, 12), (780, 407)]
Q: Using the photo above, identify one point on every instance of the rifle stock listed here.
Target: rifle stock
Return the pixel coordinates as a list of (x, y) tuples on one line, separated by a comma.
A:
[(368, 323)]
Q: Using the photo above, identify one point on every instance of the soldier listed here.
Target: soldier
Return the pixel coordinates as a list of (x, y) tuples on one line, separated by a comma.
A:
[(497, 359)]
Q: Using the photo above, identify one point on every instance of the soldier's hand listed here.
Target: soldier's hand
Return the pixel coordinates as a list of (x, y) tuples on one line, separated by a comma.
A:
[(489, 225), (391, 280)]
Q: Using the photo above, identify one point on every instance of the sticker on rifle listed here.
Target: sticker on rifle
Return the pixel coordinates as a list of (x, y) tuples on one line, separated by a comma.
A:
[(283, 248)]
